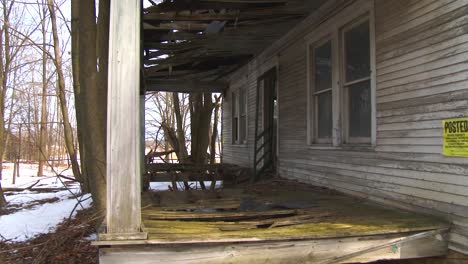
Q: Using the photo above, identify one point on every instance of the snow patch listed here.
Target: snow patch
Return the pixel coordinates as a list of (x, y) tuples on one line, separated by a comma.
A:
[(25, 197), (43, 218), (26, 224)]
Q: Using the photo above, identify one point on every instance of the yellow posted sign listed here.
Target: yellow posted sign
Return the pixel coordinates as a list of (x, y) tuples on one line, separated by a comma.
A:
[(455, 137)]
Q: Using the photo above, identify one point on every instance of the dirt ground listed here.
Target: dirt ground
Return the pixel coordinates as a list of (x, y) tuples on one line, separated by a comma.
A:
[(67, 244)]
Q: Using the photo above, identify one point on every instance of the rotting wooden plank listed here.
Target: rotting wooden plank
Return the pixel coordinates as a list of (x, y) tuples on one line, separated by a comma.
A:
[(394, 242), (225, 205), (310, 251), (226, 216)]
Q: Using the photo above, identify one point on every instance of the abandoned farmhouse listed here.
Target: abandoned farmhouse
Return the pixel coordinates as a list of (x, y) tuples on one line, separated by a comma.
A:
[(349, 117)]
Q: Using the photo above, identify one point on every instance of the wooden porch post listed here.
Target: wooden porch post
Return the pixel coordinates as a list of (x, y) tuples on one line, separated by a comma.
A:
[(123, 124), (142, 141)]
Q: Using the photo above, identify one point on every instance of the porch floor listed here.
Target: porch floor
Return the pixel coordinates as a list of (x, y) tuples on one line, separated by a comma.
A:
[(277, 212)]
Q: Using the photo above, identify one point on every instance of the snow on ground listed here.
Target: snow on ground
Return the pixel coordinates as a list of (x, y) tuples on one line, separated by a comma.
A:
[(164, 186), (39, 217), (28, 176), (26, 224)]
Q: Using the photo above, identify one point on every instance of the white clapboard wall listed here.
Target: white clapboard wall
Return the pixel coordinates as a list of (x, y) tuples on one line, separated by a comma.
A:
[(422, 79)]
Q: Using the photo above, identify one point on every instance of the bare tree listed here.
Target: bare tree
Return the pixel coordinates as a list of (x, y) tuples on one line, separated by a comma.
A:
[(68, 134), (43, 129), (90, 44), (201, 109), (214, 133), (9, 51)]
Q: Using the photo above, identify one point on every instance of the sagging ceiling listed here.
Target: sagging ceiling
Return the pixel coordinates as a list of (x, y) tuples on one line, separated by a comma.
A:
[(192, 45)]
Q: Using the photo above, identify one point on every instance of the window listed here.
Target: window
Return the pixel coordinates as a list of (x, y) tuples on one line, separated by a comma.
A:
[(239, 116), (322, 83), (235, 119), (341, 83), (357, 86), (243, 116)]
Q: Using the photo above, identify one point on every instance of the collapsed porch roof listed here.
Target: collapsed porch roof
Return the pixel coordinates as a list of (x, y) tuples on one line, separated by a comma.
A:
[(192, 45)]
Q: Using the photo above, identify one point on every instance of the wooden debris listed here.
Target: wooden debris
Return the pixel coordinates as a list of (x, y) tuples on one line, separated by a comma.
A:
[(223, 216)]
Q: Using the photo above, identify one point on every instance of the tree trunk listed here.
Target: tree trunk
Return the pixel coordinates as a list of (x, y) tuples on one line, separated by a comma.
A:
[(200, 116), (43, 128), (182, 153), (4, 65), (214, 134), (68, 135), (2, 197), (94, 111), (85, 188), (201, 108)]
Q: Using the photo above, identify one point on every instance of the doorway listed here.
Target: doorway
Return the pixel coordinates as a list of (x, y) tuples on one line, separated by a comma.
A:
[(266, 124)]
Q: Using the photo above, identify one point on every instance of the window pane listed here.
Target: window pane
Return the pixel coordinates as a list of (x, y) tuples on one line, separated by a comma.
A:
[(323, 64), (235, 130), (359, 110), (242, 101), (357, 48), (324, 115), (234, 104), (243, 129)]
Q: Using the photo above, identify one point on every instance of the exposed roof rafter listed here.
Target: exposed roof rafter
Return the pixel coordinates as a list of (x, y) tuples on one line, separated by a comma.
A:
[(204, 40)]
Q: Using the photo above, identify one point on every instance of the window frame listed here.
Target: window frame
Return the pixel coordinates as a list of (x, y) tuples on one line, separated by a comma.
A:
[(335, 28), (236, 113), (315, 94), (345, 86)]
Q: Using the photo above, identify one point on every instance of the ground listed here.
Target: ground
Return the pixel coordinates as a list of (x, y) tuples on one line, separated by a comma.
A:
[(69, 243), (40, 223), (46, 224)]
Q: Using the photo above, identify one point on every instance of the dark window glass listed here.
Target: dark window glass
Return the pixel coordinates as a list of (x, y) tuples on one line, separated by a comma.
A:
[(323, 67), (357, 50), (235, 129), (235, 119), (243, 129), (324, 115), (234, 104), (242, 102), (359, 110), (242, 113)]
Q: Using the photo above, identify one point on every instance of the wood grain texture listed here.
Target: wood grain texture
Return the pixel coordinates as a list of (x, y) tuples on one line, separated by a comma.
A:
[(123, 122), (314, 251)]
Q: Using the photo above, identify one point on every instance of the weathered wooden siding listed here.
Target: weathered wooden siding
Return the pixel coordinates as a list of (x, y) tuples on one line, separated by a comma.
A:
[(238, 153), (422, 78), (242, 154)]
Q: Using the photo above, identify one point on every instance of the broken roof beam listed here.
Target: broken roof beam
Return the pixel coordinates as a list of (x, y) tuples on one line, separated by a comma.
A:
[(178, 25), (231, 16), (184, 5), (185, 86)]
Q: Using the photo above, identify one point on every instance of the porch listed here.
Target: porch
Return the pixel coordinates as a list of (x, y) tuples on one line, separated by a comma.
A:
[(274, 221), (278, 221)]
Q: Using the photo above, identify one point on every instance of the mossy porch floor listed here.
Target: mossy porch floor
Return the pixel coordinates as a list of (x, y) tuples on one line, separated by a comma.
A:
[(271, 211)]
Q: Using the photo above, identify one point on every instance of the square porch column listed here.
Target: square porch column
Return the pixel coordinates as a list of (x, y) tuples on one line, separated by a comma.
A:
[(123, 124)]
